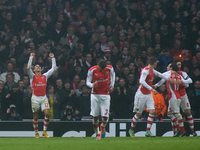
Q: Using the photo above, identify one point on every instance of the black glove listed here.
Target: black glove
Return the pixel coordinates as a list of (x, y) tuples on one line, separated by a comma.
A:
[(159, 116)]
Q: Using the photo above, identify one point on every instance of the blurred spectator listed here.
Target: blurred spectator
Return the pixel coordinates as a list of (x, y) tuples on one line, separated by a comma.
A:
[(10, 69), (11, 114), (54, 102), (163, 91), (27, 104), (59, 85), (88, 61), (70, 39), (83, 101), (68, 96), (194, 98), (160, 106), (79, 90), (122, 99), (9, 81), (164, 59), (68, 114)]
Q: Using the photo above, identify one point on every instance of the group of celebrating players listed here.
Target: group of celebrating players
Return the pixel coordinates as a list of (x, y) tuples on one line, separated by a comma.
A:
[(101, 79)]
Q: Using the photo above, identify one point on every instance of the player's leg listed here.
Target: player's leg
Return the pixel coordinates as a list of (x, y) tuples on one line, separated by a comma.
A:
[(46, 109), (35, 123), (185, 105), (139, 104), (35, 109), (174, 122), (105, 107), (176, 110), (95, 114), (151, 108)]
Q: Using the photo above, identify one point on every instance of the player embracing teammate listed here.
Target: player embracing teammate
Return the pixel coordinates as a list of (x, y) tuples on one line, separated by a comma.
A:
[(144, 98), (39, 99), (178, 98)]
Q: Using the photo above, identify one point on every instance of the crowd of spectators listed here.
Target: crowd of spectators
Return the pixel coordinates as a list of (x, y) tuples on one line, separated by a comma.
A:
[(80, 32)]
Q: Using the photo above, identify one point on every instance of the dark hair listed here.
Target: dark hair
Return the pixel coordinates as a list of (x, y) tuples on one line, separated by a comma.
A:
[(152, 60), (102, 63), (174, 66), (83, 86)]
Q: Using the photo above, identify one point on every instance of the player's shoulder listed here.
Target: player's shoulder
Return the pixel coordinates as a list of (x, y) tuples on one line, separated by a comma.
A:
[(93, 68), (145, 70), (108, 66), (167, 72)]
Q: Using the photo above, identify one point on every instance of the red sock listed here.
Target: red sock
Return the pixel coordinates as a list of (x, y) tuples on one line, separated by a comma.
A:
[(149, 121), (134, 122)]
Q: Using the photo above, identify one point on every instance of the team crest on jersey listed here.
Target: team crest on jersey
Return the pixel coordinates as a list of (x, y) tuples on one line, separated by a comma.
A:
[(42, 77), (107, 72)]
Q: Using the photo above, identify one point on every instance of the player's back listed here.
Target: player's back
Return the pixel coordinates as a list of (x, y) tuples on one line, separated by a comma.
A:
[(173, 88), (148, 80), (102, 78)]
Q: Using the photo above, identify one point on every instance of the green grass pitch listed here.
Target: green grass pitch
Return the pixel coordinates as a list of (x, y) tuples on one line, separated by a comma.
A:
[(108, 143)]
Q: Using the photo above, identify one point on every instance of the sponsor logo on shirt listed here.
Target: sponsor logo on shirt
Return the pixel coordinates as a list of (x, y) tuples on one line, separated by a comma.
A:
[(102, 80), (40, 84)]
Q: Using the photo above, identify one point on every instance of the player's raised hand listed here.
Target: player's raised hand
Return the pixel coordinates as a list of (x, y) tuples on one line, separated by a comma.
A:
[(95, 84), (51, 55), (154, 91), (32, 54), (110, 89)]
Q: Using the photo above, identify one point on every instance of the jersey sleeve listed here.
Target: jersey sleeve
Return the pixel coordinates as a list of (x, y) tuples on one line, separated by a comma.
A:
[(163, 80), (53, 68), (143, 77), (186, 82), (112, 77), (89, 79), (30, 72), (160, 75), (186, 77)]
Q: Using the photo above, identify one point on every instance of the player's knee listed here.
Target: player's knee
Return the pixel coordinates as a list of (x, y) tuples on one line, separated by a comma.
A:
[(47, 115), (188, 112), (35, 118), (169, 115), (152, 112), (139, 115)]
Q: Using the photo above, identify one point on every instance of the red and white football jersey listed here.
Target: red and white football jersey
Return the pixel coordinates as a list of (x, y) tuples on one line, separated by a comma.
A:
[(39, 83), (104, 79), (182, 86), (173, 89), (146, 80)]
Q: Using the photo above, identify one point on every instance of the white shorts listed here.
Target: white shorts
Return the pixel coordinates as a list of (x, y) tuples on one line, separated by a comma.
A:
[(39, 101), (100, 103), (174, 105), (185, 104), (141, 101)]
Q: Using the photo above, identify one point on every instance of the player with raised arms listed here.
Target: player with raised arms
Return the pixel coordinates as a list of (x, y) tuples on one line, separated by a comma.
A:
[(101, 79), (144, 98), (39, 99)]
